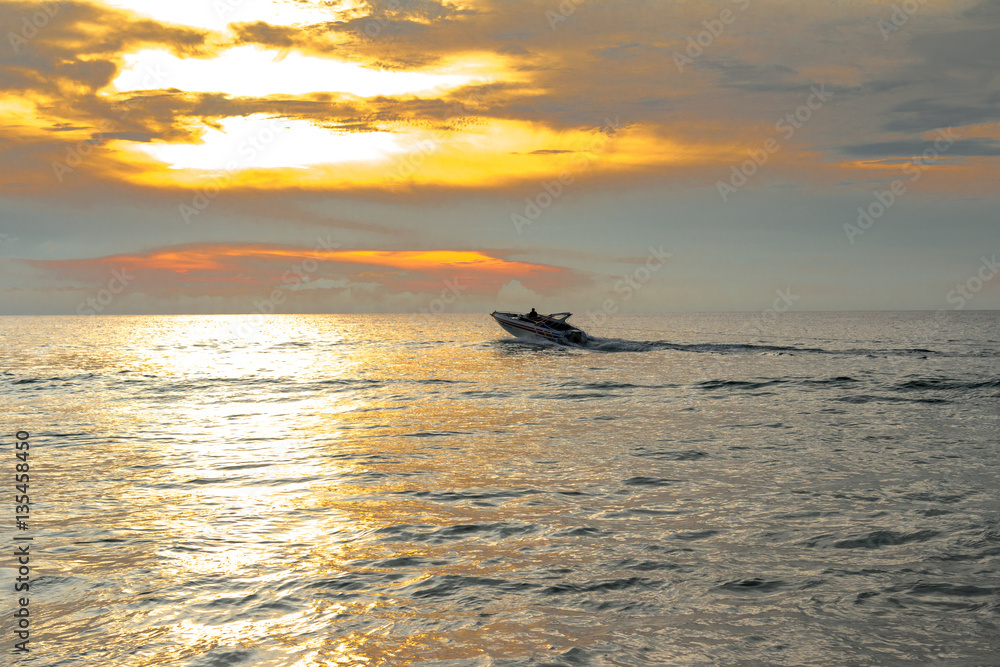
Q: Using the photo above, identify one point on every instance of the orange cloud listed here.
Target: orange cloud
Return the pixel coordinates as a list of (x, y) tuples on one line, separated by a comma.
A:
[(220, 268)]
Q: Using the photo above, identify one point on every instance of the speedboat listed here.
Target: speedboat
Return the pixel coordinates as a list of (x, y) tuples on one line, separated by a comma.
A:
[(552, 327)]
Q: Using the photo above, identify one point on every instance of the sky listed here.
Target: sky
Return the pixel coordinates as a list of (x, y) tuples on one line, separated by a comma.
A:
[(299, 156)]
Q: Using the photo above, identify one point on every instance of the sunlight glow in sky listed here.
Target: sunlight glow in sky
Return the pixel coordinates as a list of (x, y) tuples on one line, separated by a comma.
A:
[(260, 142), (273, 73)]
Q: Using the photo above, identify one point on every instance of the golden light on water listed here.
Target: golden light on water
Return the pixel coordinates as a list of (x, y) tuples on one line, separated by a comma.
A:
[(266, 497), (250, 471)]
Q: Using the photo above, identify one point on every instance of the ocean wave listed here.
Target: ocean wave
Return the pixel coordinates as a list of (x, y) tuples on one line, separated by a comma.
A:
[(945, 384), (422, 533), (875, 539)]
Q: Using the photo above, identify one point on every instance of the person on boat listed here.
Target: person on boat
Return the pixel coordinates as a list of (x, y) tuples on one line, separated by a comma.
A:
[(532, 315)]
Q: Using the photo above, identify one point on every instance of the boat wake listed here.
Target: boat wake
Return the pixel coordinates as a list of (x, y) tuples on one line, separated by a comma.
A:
[(621, 345), (598, 344)]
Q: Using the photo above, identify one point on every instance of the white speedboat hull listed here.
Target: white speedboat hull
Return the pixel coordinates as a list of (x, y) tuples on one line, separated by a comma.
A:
[(544, 328)]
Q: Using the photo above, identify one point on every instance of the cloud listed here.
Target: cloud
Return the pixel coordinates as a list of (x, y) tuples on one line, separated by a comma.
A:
[(985, 12), (238, 268), (910, 148), (515, 295), (951, 81), (325, 284)]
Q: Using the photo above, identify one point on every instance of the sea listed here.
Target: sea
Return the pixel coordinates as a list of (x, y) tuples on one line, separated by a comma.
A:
[(687, 489)]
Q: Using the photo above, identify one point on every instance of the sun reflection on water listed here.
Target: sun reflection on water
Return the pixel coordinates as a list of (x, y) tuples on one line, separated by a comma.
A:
[(248, 495)]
